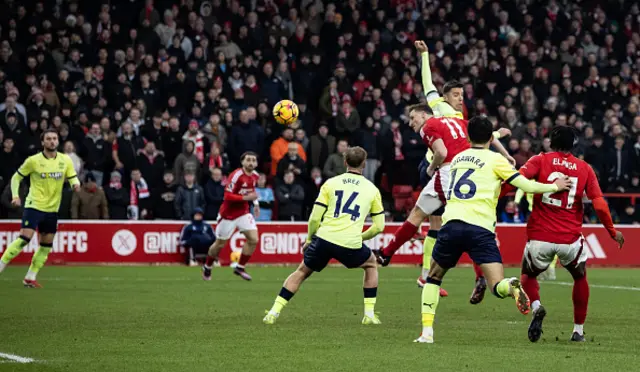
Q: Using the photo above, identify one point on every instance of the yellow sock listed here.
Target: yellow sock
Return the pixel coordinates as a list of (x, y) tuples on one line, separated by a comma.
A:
[(38, 261), (14, 249), (279, 304), (554, 262), (427, 320), (369, 306)]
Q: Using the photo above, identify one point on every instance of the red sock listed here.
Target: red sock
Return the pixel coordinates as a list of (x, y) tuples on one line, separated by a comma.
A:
[(209, 261), (401, 236), (580, 300), (478, 270), (243, 259), (531, 287)]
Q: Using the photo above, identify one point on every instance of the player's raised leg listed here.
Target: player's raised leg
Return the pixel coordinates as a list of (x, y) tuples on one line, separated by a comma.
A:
[(480, 288)]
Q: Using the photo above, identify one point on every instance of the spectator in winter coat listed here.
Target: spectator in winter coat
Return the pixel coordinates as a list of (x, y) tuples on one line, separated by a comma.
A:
[(524, 153), (280, 147), (186, 162), (172, 141), (271, 88), (10, 211), (95, 151), (369, 139), (188, 197), (348, 120), (70, 151), (125, 150), (196, 237), (292, 162), (245, 136), (164, 198), (213, 194), (151, 164), (321, 145), (335, 163), (9, 158), (90, 203), (265, 199), (117, 197), (290, 199)]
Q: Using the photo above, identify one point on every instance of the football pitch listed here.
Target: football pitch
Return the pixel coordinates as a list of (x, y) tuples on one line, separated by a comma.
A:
[(168, 319)]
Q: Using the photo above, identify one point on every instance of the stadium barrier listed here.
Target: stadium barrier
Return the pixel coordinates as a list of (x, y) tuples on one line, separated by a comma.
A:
[(156, 242)]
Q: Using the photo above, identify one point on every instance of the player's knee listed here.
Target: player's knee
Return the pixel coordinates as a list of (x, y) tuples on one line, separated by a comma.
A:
[(434, 280), (579, 271), (24, 240), (417, 215)]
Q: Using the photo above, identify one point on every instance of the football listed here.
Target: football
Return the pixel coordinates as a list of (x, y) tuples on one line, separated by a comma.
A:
[(285, 112), (234, 257)]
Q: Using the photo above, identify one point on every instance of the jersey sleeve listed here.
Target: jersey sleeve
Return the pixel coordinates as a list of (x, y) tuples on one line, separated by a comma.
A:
[(70, 171), (504, 170), (26, 168), (231, 191), (531, 168), (431, 132), (323, 196), (592, 188), (376, 204)]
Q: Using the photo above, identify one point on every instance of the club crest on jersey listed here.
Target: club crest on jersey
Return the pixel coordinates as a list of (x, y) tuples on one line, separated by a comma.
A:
[(61, 165)]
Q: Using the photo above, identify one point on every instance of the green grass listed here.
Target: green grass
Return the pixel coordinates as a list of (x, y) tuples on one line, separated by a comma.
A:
[(168, 319)]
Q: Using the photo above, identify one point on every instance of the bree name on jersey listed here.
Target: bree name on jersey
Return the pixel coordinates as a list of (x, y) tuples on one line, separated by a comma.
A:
[(351, 181), (468, 159), (564, 163)]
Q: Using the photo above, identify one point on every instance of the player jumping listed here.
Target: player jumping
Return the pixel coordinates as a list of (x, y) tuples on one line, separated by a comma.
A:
[(335, 231), (47, 172), (234, 212), (450, 105), (470, 218), (554, 227), (446, 137)]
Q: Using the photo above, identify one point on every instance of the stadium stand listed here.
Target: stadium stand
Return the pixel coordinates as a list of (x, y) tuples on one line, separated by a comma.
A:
[(188, 86)]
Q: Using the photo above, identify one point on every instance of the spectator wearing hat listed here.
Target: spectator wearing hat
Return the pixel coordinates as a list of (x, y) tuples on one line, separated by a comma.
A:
[(196, 237), (348, 120), (11, 105), (91, 202), (189, 196), (117, 197), (164, 198)]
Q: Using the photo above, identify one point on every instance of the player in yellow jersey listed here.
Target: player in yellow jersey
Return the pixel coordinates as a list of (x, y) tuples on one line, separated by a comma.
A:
[(470, 217), (47, 171), (335, 231), (450, 104)]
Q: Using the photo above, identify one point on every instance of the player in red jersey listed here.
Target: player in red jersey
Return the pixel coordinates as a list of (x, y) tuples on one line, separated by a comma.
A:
[(554, 227), (234, 212), (446, 137)]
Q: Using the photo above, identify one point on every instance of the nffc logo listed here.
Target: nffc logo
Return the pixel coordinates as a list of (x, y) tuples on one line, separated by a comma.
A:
[(282, 243), (593, 247), (160, 242)]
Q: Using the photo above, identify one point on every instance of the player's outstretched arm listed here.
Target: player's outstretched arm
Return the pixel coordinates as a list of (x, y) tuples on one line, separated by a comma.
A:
[(429, 88), (502, 132)]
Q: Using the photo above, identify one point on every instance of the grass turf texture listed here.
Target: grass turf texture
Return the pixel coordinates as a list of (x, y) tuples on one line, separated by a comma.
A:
[(168, 319)]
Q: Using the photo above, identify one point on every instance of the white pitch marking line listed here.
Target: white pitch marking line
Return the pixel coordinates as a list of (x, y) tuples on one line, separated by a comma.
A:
[(597, 286), (17, 358)]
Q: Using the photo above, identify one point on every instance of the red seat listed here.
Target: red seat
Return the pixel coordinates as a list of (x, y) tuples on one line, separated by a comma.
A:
[(402, 198)]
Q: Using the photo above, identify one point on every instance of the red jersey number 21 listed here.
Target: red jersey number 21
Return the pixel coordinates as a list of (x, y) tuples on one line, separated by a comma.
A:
[(547, 199)]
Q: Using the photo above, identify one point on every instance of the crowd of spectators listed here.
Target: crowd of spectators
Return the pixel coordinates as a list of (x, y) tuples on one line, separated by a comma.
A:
[(155, 101)]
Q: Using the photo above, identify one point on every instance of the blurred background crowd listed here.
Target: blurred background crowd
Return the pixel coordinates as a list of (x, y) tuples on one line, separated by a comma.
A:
[(156, 100)]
